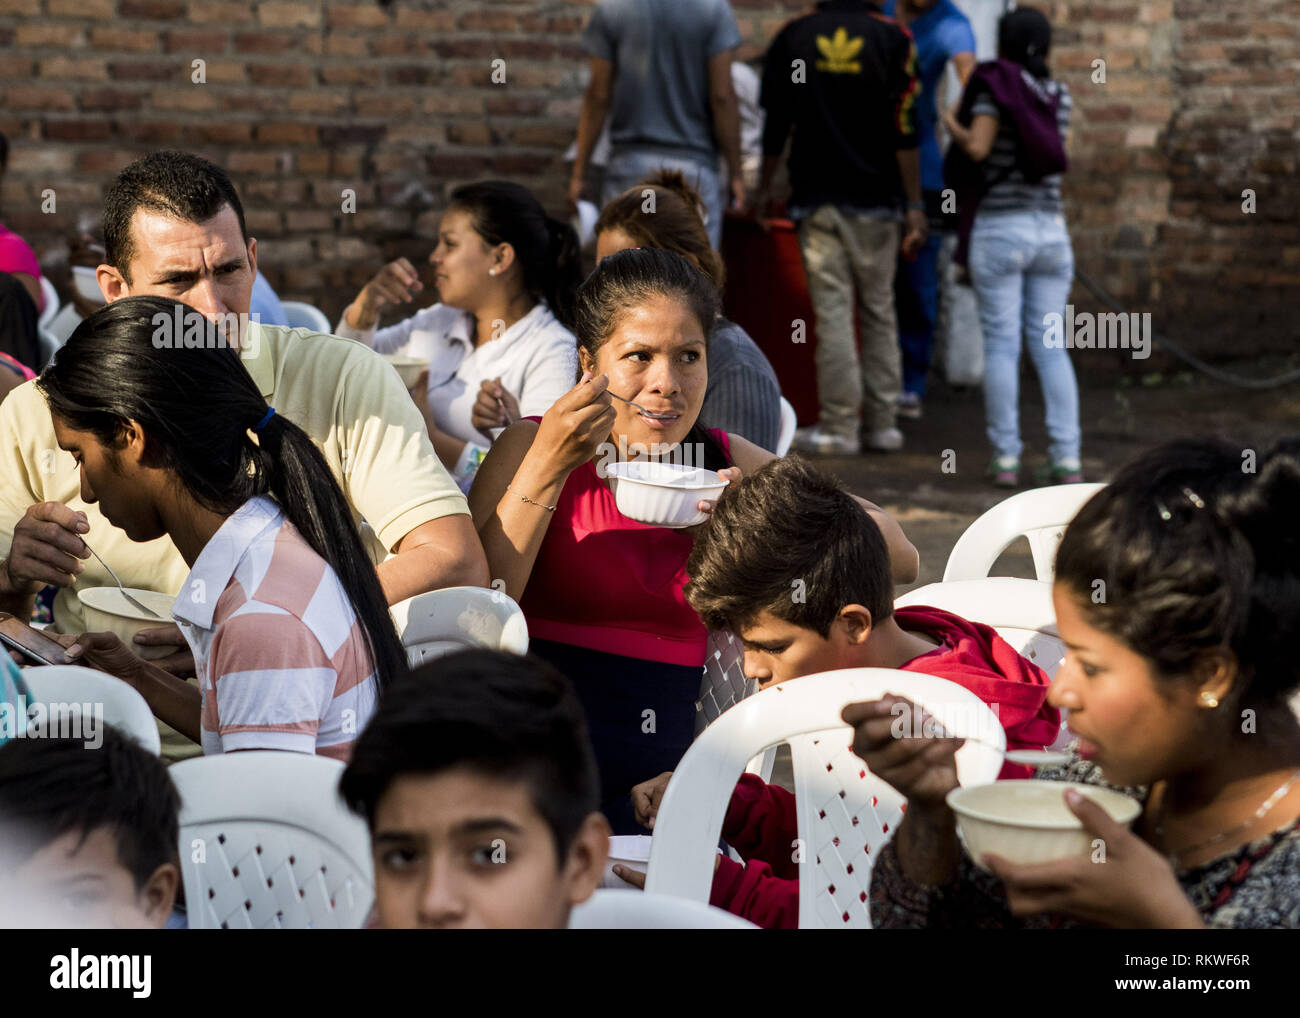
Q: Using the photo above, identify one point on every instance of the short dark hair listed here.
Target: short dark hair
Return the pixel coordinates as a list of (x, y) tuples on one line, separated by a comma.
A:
[(1196, 553), (49, 787), (505, 716), (788, 529), (177, 184)]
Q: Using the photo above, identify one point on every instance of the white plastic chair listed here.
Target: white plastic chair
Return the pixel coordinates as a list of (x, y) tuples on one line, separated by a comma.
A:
[(123, 708), (724, 686), (266, 843), (638, 910), (789, 422), (1040, 515), (844, 812), (51, 303), (301, 315), (439, 622)]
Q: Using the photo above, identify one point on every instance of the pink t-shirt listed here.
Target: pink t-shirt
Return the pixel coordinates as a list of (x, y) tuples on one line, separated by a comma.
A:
[(17, 256)]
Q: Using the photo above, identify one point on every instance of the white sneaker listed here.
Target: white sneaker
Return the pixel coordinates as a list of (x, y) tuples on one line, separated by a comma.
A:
[(883, 440), (816, 442)]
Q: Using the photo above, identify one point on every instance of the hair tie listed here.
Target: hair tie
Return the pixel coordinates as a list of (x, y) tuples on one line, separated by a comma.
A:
[(270, 412)]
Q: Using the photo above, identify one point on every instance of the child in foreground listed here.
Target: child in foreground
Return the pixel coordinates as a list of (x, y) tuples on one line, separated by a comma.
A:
[(478, 783), (88, 837), (791, 528)]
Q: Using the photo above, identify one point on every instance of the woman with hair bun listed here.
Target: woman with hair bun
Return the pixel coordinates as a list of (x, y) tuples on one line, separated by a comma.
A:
[(1177, 593), (498, 343)]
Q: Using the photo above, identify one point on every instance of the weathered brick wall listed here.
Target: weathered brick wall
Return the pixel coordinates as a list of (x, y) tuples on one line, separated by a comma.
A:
[(304, 99)]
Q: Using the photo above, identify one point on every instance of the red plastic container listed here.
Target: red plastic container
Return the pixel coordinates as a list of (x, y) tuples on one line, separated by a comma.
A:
[(766, 294)]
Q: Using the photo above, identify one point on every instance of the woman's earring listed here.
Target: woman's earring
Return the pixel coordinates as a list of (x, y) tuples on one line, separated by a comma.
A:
[(1209, 700), (492, 272)]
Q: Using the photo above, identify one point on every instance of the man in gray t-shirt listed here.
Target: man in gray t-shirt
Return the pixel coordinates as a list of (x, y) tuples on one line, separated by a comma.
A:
[(661, 70)]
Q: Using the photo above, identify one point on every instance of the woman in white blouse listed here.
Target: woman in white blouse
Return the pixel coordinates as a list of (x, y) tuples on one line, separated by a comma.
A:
[(498, 342)]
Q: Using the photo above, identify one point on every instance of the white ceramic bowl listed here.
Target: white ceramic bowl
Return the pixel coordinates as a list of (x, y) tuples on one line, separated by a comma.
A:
[(1028, 822), (408, 368), (662, 494), (107, 611)]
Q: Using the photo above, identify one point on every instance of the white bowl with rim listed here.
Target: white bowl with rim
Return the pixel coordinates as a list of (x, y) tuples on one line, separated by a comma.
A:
[(663, 494), (1027, 821), (408, 368), (107, 611)]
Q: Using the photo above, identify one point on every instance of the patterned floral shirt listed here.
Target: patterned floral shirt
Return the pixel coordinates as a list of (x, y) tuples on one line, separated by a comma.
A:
[(1253, 886)]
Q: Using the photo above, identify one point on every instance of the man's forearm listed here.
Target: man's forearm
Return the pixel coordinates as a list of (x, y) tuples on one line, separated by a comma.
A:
[(927, 845), (434, 566), (909, 168), (171, 699), (594, 110), (726, 121), (16, 601), (767, 172)]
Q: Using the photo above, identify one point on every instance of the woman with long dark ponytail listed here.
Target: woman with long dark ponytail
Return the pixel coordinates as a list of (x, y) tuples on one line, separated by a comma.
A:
[(499, 342), (282, 608)]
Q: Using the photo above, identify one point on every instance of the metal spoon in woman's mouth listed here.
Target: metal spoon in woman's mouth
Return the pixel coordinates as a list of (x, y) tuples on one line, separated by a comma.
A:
[(643, 410)]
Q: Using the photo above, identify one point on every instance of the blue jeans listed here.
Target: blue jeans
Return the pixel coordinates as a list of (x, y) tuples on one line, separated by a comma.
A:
[(1021, 266), (629, 167), (916, 296)]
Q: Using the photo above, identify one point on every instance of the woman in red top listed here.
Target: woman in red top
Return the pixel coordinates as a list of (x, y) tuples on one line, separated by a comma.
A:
[(603, 593)]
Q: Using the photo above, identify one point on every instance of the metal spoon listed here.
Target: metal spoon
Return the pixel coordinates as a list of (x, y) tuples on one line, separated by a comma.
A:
[(640, 408), (129, 598)]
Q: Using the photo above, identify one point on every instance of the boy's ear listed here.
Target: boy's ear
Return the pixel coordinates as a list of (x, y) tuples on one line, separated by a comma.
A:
[(585, 867), (159, 894), (856, 622)]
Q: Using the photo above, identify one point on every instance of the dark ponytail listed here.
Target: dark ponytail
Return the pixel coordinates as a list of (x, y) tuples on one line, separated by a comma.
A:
[(1025, 37), (1191, 549), (196, 405), (547, 249)]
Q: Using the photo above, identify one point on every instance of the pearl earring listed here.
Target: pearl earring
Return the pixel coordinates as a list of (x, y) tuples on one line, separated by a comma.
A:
[(492, 272), (1209, 700)]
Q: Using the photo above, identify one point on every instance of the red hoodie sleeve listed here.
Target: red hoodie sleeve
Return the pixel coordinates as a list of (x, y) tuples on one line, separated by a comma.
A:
[(761, 824), (751, 892)]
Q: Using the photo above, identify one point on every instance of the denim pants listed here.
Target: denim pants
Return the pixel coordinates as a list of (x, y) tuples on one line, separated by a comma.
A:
[(629, 167), (849, 259), (916, 295), (1021, 266)]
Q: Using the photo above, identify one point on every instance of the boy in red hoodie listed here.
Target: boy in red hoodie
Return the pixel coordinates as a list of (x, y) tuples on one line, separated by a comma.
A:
[(794, 567)]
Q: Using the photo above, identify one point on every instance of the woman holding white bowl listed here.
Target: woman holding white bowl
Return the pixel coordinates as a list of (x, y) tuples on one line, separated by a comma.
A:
[(1177, 594), (602, 593), (498, 343)]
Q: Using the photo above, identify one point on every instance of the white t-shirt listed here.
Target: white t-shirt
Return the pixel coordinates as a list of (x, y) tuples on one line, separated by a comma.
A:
[(536, 360)]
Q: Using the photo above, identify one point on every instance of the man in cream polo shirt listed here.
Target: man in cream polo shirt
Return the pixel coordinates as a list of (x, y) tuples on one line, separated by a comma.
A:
[(174, 227)]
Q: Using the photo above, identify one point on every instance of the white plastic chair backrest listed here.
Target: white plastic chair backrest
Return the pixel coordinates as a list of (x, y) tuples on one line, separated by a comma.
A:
[(63, 324), (844, 812), (301, 315), (93, 691), (610, 909), (266, 843), (724, 686), (789, 422), (51, 308), (1039, 515), (439, 622)]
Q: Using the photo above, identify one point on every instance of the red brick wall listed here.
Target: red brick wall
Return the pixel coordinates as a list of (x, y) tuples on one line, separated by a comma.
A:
[(304, 99)]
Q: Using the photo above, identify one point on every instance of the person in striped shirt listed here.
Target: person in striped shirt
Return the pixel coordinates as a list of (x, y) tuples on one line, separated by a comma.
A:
[(290, 631)]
